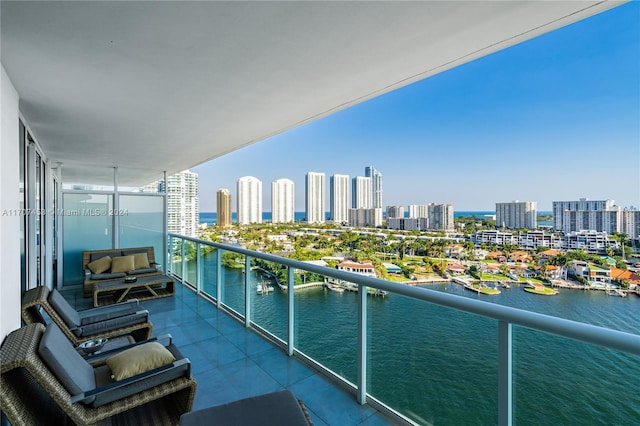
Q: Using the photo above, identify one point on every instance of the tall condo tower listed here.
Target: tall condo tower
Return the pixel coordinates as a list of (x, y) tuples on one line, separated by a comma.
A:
[(182, 203), (282, 201), (577, 210), (361, 192), (339, 198), (517, 214), (376, 186), (223, 207), (249, 200), (314, 197)]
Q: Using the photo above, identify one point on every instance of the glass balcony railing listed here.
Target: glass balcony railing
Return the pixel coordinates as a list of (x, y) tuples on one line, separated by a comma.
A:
[(422, 355)]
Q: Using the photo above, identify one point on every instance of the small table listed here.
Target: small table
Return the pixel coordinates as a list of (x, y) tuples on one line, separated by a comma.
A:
[(150, 287)]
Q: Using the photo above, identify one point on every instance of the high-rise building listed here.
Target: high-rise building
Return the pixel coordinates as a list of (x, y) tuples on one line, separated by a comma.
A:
[(418, 211), (365, 217), (376, 186), (223, 207), (339, 198), (583, 204), (182, 203), (395, 211), (630, 223), (282, 198), (314, 197), (249, 200), (441, 217), (361, 192), (608, 221), (517, 214)]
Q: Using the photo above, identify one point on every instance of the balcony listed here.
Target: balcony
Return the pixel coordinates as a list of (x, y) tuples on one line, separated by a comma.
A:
[(231, 362), (461, 369)]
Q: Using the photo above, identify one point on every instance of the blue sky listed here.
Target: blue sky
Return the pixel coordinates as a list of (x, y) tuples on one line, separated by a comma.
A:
[(555, 118)]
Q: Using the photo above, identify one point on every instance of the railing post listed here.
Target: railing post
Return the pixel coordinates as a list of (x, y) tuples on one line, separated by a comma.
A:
[(198, 272), (183, 275), (505, 378), (291, 306), (247, 291), (219, 278), (169, 265), (362, 344)]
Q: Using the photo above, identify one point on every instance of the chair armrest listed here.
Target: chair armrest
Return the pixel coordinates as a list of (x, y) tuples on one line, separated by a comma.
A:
[(132, 380), (96, 358)]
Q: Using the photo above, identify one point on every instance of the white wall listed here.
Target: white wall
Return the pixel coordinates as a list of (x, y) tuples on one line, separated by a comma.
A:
[(10, 297)]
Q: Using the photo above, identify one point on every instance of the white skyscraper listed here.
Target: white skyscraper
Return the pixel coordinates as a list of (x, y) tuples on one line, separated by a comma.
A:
[(339, 198), (376, 186), (183, 208), (249, 200), (418, 211), (517, 214), (282, 201), (361, 192), (314, 197)]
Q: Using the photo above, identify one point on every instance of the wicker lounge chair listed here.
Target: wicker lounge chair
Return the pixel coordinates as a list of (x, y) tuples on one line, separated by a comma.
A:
[(79, 326), (35, 387)]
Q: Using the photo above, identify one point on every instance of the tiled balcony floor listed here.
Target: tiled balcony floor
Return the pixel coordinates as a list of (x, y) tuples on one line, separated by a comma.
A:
[(230, 362)]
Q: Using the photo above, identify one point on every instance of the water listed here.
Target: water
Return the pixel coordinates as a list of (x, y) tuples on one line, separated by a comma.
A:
[(439, 366)]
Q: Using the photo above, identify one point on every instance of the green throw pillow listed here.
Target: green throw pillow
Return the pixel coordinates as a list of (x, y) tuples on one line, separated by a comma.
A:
[(100, 265), (122, 264), (138, 360)]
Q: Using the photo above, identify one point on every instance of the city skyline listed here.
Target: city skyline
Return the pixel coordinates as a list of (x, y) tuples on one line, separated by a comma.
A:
[(554, 118)]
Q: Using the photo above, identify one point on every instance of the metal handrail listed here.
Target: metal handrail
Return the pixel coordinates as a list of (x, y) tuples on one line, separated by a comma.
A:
[(588, 333)]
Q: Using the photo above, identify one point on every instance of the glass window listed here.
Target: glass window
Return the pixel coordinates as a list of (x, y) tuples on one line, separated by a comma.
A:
[(87, 225)]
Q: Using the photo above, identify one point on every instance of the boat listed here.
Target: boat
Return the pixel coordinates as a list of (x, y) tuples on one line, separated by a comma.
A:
[(335, 288), (478, 288), (505, 284), (616, 292), (264, 288)]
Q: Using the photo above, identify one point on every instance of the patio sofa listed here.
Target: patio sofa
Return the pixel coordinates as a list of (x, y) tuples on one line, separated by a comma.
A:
[(116, 264), (44, 380)]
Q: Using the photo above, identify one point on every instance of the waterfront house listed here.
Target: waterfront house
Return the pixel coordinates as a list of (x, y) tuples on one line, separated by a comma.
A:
[(99, 99)]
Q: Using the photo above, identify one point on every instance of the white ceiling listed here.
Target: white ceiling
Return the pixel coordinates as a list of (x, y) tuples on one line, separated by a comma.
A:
[(153, 86)]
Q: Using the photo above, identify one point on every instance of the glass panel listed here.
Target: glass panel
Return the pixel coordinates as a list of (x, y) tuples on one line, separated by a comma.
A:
[(564, 381), (434, 365), (87, 226), (190, 274), (175, 247), (142, 223), (208, 261), (326, 324), (233, 281), (269, 300)]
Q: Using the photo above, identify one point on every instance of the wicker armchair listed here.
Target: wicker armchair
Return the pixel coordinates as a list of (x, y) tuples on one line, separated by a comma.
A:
[(32, 393), (79, 326)]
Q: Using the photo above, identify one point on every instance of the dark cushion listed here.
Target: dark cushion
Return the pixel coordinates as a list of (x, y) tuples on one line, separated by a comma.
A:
[(64, 309), (134, 251), (142, 271), (111, 324), (91, 316), (109, 276), (75, 374), (95, 256), (277, 408)]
